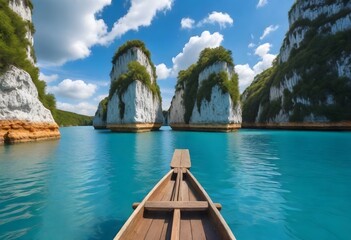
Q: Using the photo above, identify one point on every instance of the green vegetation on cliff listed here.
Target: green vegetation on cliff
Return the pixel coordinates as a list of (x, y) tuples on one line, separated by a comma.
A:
[(64, 119), (136, 71), (227, 85), (315, 64), (188, 79), (13, 49), (103, 103), (134, 44)]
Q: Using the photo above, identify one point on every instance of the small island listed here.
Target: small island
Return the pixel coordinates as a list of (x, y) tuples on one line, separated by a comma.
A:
[(134, 101), (207, 94)]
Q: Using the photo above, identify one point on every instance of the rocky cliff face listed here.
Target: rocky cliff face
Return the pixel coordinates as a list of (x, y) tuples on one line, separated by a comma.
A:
[(140, 106), (310, 84), (99, 120), (208, 92), (134, 103), (22, 8), (23, 117)]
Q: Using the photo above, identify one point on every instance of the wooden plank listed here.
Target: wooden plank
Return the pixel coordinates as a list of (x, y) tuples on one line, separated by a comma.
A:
[(176, 225), (138, 212), (185, 227), (156, 226), (171, 205), (175, 163), (177, 185), (197, 229), (181, 159), (158, 222), (166, 229), (222, 226), (185, 159), (217, 205)]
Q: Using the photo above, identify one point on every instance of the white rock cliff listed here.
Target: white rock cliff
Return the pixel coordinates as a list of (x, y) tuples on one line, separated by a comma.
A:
[(142, 110), (218, 114), (301, 106), (23, 117)]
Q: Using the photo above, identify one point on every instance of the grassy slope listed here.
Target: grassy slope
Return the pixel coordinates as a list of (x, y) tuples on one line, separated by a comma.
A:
[(64, 118)]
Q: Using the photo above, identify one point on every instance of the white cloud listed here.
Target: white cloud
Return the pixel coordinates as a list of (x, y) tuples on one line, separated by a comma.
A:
[(80, 108), (247, 74), (265, 63), (251, 45), (76, 89), (48, 78), (190, 53), (223, 19), (100, 97), (187, 23), (162, 71), (192, 49), (139, 14), (269, 30), (66, 30), (261, 3), (263, 49)]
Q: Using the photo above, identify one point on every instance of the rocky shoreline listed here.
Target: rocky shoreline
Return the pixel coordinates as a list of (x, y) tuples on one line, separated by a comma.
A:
[(330, 126), (206, 127), (134, 127), (17, 131)]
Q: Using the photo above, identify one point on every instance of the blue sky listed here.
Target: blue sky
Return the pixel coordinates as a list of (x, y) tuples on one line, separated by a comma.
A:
[(75, 40)]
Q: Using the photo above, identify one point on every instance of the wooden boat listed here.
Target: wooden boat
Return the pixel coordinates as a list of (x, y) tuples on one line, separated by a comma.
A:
[(176, 208)]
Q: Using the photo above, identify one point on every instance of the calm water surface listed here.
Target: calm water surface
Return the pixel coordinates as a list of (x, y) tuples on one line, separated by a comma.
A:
[(272, 184)]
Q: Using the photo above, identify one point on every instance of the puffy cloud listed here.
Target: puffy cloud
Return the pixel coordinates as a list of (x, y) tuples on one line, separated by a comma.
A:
[(192, 49), (263, 49), (80, 108), (251, 45), (247, 74), (265, 63), (139, 14), (190, 53), (162, 71), (223, 19), (100, 97), (76, 89), (187, 23), (48, 78), (66, 30), (261, 3), (269, 30)]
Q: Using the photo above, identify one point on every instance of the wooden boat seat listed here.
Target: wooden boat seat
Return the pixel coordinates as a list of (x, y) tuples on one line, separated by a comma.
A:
[(136, 204), (171, 205)]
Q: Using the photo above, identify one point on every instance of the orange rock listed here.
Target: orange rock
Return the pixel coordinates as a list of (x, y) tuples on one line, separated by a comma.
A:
[(15, 131)]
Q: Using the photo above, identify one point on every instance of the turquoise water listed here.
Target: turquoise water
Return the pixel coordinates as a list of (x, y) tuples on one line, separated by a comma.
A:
[(272, 184)]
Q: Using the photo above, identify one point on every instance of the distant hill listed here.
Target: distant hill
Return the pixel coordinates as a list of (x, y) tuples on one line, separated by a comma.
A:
[(64, 119)]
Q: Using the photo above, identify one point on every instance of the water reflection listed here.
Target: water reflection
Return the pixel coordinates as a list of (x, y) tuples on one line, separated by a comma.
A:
[(24, 175), (258, 199)]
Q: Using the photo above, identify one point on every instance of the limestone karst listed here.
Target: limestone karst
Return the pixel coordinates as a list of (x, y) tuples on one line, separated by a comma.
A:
[(134, 101), (207, 94), (309, 85), (23, 117)]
